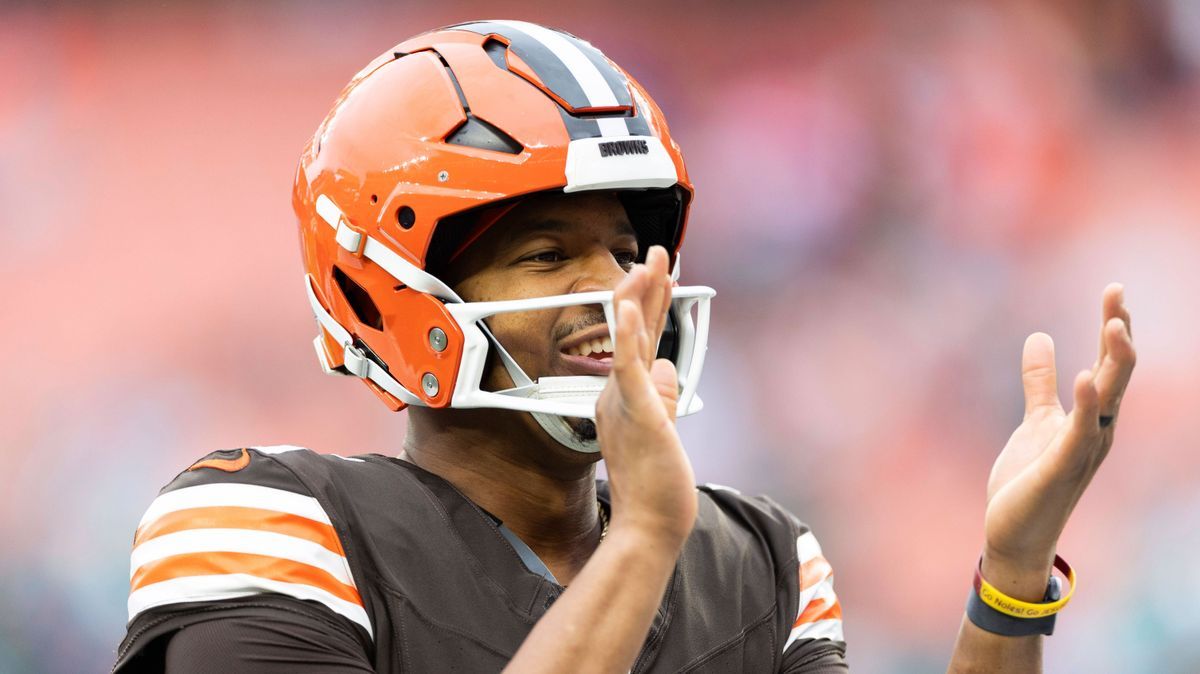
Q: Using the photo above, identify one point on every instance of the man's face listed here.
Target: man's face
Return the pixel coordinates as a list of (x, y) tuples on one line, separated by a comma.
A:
[(550, 245)]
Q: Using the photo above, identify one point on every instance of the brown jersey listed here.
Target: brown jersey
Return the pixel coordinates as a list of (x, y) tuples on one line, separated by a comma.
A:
[(282, 559)]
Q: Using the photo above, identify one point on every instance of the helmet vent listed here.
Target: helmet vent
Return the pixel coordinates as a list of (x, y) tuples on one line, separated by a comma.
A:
[(477, 133), (497, 51), (360, 302), (602, 114)]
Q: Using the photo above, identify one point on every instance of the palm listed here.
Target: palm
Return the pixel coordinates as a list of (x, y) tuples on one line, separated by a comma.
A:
[(1052, 456), (1019, 477)]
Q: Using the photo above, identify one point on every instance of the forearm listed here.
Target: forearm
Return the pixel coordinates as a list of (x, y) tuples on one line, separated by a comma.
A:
[(977, 650), (600, 623)]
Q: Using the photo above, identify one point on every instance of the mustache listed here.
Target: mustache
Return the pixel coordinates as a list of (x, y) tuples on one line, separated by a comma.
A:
[(595, 316)]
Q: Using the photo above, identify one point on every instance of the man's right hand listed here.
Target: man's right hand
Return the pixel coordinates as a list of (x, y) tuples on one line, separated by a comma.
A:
[(600, 623), (650, 477)]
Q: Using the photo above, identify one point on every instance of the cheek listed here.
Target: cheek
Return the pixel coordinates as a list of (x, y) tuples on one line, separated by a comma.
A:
[(519, 331), (526, 336)]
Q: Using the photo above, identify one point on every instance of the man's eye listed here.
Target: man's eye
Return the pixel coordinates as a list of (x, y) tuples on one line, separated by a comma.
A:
[(546, 256), (625, 258)]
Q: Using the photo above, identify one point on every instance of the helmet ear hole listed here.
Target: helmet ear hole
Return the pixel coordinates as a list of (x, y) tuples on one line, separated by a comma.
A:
[(406, 217), (360, 302)]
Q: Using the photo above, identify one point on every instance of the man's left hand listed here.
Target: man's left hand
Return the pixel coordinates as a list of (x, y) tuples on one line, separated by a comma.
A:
[(1051, 457)]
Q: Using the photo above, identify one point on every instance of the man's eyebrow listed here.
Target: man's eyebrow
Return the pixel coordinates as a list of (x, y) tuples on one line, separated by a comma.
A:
[(551, 225)]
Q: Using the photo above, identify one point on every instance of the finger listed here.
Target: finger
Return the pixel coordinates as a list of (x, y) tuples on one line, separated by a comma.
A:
[(1080, 449), (1124, 315), (630, 369), (651, 297), (1086, 415), (1038, 376), (1113, 374), (633, 286), (658, 295), (657, 268), (1111, 305)]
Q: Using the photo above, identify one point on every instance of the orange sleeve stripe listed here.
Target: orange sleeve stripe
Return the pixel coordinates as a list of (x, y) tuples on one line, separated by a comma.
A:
[(236, 517), (819, 610), (263, 566), (814, 571), (227, 465)]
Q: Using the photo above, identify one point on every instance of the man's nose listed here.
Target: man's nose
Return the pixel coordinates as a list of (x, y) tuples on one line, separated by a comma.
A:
[(599, 271)]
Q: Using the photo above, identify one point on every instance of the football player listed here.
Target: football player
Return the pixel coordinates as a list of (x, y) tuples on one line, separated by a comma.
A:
[(491, 219)]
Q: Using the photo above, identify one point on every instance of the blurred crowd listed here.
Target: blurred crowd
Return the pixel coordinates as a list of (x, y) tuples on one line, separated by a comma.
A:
[(890, 197)]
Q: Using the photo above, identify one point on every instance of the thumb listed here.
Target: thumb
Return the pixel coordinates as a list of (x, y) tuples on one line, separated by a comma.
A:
[(1038, 376), (666, 383)]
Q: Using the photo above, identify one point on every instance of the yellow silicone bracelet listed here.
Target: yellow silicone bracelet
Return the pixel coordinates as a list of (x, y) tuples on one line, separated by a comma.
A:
[(1024, 609)]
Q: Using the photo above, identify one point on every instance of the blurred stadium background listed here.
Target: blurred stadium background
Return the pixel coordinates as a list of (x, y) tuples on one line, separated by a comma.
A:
[(891, 195)]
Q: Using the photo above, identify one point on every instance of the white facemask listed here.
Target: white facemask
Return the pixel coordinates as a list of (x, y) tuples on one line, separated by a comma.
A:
[(551, 400)]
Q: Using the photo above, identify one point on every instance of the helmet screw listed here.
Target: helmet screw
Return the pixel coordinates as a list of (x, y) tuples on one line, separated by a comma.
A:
[(437, 339), (443, 176), (430, 384)]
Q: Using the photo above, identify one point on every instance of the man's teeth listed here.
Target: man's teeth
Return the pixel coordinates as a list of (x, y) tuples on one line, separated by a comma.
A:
[(604, 345)]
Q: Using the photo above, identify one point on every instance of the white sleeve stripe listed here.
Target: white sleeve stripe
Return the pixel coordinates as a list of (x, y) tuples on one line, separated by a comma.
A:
[(806, 594), (248, 541), (217, 588), (821, 629), (822, 590), (807, 547), (277, 449), (239, 495)]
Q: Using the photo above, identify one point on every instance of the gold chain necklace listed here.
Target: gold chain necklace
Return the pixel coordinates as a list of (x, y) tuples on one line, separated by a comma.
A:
[(603, 520)]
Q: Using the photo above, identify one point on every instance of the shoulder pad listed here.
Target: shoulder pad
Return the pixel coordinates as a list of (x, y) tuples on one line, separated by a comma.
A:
[(239, 523)]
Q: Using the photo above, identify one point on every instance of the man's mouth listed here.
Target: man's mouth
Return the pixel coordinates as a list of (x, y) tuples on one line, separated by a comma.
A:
[(589, 352), (596, 348)]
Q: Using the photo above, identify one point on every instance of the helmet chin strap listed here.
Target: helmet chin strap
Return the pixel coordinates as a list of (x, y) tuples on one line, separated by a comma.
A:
[(560, 430), (582, 389)]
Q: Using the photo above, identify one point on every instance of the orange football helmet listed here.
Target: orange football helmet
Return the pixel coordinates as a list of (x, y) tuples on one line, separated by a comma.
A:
[(430, 143)]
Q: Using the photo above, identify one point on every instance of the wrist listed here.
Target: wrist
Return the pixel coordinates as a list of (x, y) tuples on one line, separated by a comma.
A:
[(640, 552), (1023, 579), (660, 538), (666, 526)]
